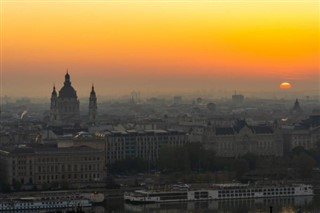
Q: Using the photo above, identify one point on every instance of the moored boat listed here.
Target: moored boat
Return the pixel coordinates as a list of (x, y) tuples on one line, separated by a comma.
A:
[(28, 203), (50, 200), (94, 197), (218, 192)]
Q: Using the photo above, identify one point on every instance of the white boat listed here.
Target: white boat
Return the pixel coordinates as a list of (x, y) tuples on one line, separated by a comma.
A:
[(93, 197), (220, 205), (34, 203), (218, 192), (51, 200)]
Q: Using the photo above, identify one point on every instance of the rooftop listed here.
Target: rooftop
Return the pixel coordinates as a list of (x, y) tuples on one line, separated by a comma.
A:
[(44, 148)]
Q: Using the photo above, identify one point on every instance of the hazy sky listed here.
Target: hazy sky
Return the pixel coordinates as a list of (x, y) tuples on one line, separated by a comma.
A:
[(156, 46)]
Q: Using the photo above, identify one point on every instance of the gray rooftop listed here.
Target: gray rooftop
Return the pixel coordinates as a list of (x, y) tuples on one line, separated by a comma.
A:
[(45, 148)]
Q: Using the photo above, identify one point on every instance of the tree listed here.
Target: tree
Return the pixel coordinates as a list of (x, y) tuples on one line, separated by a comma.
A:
[(252, 159), (304, 165), (173, 159), (5, 188), (129, 165), (190, 157), (315, 153), (194, 152), (240, 167), (16, 185), (298, 151), (111, 184), (208, 160)]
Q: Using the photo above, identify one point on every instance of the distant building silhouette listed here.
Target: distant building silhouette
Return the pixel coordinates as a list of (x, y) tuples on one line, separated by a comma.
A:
[(296, 108), (65, 110), (65, 107), (211, 107), (237, 99), (177, 99), (92, 106)]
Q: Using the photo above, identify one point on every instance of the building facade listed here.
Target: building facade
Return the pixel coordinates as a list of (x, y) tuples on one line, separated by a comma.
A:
[(38, 165), (306, 134), (140, 144), (306, 138), (241, 139)]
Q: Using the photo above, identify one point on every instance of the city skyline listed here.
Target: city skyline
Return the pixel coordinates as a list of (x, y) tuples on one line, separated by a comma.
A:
[(161, 47)]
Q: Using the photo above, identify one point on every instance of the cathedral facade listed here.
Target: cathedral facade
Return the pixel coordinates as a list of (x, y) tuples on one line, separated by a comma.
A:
[(65, 107)]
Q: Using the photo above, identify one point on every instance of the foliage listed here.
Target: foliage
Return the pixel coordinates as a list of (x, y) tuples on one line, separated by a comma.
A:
[(5, 188), (193, 158), (129, 165), (303, 162), (64, 185), (45, 186), (240, 167), (16, 185), (111, 184), (252, 159)]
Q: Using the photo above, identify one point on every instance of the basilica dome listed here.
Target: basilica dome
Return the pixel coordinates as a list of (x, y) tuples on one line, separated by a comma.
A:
[(67, 91)]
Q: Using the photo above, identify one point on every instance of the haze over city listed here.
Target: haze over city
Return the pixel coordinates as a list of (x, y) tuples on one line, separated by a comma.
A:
[(159, 47), (160, 106)]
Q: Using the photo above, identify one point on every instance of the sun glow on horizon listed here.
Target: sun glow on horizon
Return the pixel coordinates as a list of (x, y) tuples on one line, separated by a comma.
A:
[(285, 85), (130, 44)]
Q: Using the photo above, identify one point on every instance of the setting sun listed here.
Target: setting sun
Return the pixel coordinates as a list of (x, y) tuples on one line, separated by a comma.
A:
[(285, 85)]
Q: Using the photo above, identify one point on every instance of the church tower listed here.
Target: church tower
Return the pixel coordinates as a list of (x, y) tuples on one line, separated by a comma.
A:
[(92, 106), (54, 106)]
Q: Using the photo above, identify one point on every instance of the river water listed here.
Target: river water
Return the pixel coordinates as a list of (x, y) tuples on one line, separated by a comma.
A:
[(307, 204)]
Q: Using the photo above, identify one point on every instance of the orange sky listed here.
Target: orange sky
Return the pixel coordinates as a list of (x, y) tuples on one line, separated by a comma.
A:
[(159, 46)]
